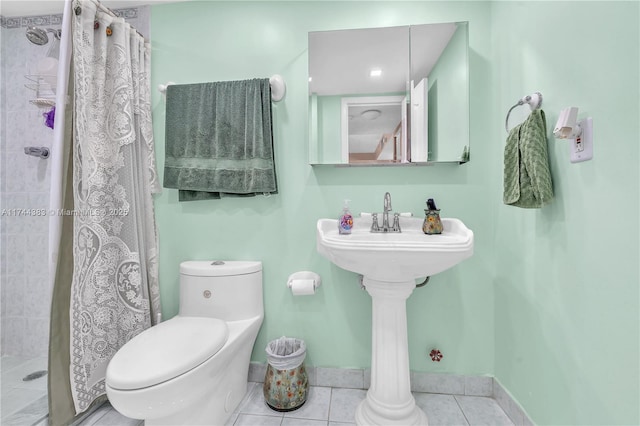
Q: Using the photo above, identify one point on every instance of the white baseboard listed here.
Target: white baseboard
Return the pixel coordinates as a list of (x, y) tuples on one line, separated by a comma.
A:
[(509, 405), (450, 384)]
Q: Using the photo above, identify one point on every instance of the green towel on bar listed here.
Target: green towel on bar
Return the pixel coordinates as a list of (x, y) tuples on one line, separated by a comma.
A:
[(219, 139), (527, 179)]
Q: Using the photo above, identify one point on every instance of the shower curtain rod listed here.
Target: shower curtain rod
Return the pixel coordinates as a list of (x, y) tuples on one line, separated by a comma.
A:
[(105, 9), (110, 12)]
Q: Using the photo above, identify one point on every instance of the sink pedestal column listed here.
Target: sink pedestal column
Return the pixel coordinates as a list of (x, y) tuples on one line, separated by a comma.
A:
[(389, 400)]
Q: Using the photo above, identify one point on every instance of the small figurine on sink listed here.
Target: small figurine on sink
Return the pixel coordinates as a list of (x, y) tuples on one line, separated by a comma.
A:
[(432, 223)]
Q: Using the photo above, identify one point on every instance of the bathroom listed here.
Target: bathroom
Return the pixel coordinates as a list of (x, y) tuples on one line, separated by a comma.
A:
[(549, 302)]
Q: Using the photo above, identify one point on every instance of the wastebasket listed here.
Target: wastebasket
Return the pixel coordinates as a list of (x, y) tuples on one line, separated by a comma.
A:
[(285, 383)]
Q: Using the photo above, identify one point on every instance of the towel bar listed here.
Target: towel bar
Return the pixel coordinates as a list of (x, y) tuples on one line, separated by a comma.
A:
[(278, 87), (534, 100)]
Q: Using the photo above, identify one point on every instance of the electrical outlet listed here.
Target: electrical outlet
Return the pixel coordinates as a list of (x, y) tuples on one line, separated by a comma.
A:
[(582, 146)]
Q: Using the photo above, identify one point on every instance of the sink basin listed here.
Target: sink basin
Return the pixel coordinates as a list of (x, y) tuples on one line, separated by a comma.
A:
[(390, 263), (395, 257)]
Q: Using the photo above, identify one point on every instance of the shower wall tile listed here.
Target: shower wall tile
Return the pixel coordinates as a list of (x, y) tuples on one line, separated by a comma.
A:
[(37, 302), (128, 14), (16, 172), (11, 22), (3, 295), (13, 224), (36, 338), (14, 131), (37, 226), (16, 246), (141, 21), (39, 178), (24, 184), (13, 330), (3, 258), (37, 263), (37, 247), (3, 117), (26, 128), (14, 291), (38, 200), (37, 21), (17, 94)]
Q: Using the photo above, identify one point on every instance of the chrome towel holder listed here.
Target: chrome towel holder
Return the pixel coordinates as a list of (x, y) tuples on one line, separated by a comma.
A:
[(534, 100), (278, 87)]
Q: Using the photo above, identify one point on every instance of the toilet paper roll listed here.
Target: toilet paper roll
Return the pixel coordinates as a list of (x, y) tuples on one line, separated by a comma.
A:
[(303, 287)]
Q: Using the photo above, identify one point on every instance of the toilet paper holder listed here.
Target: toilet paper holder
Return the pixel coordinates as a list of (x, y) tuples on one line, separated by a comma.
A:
[(305, 275)]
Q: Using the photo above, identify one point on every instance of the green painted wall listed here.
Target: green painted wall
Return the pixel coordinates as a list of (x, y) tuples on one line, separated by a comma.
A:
[(329, 129), (448, 126), (213, 41), (549, 301), (566, 288)]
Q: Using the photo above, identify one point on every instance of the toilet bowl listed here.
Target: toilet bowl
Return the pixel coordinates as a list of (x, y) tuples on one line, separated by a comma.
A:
[(193, 368)]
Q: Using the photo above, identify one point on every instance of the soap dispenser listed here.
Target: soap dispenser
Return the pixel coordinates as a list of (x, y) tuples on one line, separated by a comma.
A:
[(432, 223), (345, 221)]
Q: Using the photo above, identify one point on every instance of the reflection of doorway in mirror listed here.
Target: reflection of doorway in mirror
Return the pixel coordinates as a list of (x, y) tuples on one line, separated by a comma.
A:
[(419, 121), (374, 130)]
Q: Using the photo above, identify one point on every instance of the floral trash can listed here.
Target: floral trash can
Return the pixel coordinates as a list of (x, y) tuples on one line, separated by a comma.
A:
[(286, 384)]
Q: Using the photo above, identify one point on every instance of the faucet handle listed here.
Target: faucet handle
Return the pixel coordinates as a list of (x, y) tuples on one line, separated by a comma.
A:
[(374, 222), (396, 223)]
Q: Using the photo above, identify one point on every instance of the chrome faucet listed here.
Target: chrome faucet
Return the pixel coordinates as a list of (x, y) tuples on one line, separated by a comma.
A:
[(385, 218), (385, 213)]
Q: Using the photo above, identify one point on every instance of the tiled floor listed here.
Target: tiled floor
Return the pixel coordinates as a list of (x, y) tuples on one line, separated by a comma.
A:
[(22, 402), (336, 407), (25, 404)]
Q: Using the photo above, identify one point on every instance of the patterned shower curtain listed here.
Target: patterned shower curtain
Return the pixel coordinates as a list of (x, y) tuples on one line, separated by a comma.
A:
[(114, 290)]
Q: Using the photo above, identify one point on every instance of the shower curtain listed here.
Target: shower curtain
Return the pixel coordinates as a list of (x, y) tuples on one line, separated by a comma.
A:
[(112, 286)]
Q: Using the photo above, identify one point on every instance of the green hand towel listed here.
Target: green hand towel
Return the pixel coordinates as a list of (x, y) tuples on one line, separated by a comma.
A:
[(219, 139), (527, 179)]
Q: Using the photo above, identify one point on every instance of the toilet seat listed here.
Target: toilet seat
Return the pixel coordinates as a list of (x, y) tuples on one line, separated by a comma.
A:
[(165, 351)]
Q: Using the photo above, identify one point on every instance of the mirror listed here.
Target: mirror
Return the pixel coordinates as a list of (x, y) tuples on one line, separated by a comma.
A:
[(374, 129), (396, 95)]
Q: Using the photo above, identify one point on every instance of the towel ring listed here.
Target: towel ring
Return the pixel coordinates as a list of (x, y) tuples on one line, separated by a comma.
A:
[(534, 100), (278, 88)]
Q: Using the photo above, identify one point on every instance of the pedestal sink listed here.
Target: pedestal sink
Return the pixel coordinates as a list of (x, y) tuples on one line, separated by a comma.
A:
[(390, 264)]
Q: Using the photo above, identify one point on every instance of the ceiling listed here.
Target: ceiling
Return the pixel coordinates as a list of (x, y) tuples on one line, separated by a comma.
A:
[(340, 62), (9, 8)]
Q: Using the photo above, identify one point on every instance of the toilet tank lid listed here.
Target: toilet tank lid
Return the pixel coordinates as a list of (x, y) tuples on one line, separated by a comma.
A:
[(219, 268)]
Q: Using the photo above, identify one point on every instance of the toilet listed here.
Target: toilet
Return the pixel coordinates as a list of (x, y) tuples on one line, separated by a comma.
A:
[(193, 368)]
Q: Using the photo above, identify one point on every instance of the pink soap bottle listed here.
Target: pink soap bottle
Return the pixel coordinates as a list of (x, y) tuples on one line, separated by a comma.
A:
[(345, 221)]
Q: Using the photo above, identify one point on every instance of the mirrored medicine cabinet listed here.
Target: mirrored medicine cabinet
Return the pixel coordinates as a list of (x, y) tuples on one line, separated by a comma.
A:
[(389, 96)]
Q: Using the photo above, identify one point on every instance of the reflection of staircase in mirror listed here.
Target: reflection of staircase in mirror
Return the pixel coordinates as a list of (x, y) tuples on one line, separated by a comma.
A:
[(388, 149)]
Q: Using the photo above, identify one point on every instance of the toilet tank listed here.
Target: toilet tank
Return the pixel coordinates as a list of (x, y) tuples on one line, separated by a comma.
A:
[(229, 290)]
